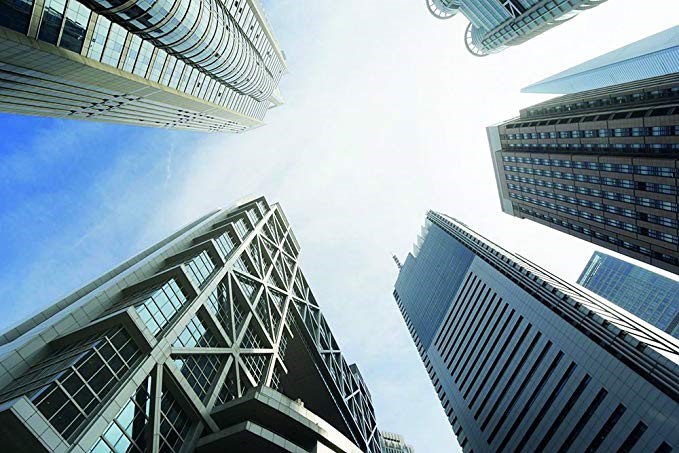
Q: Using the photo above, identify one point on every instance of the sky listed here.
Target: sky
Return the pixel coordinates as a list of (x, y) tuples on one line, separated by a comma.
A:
[(385, 118)]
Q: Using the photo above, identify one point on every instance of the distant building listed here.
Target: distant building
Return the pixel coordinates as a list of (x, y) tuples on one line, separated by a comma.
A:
[(203, 65), (601, 165), (496, 24), (524, 361), (394, 443), (650, 296), (209, 341), (654, 56)]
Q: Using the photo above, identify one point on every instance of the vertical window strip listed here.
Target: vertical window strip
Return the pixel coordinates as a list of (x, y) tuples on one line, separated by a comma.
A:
[(518, 392), (565, 411), (534, 395), (607, 428), (633, 438), (584, 419)]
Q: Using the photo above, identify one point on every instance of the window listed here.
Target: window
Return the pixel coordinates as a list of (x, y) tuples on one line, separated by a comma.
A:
[(200, 268), (99, 38), (16, 15), (200, 372), (75, 25), (158, 307), (129, 431), (114, 45), (73, 381)]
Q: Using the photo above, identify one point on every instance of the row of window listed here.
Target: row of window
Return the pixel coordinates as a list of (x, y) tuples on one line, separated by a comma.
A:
[(605, 101), (155, 64), (625, 198), (595, 147), (659, 220), (655, 131), (73, 381), (669, 172), (614, 182), (666, 237), (599, 235)]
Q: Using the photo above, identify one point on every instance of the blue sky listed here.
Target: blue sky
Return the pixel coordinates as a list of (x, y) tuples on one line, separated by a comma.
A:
[(384, 118)]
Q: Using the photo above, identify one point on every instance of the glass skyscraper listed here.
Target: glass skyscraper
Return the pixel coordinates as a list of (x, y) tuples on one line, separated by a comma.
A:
[(496, 24), (601, 165), (207, 65), (209, 341), (524, 361), (654, 56), (650, 296)]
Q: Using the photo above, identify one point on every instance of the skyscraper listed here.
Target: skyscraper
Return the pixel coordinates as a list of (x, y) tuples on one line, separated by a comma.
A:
[(208, 65), (210, 340), (653, 56), (523, 361), (495, 25), (394, 443), (650, 296), (601, 165)]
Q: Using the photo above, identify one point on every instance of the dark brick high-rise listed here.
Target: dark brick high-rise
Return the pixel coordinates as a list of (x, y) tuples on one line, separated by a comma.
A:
[(601, 165)]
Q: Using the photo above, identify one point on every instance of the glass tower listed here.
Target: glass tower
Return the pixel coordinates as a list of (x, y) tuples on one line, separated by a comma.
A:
[(495, 25), (207, 65), (601, 165), (209, 341), (650, 296), (653, 56), (524, 361)]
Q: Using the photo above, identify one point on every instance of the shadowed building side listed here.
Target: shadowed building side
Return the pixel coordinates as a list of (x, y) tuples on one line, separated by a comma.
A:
[(522, 360)]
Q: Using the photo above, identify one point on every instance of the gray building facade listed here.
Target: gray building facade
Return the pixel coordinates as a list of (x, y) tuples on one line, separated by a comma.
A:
[(650, 296), (495, 25), (654, 56), (394, 443), (524, 361), (210, 340), (601, 165), (193, 64)]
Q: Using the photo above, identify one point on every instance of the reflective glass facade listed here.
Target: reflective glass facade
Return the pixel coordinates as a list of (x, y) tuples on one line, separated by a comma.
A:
[(650, 296), (145, 357), (600, 165), (196, 64), (654, 56), (523, 361), (496, 24)]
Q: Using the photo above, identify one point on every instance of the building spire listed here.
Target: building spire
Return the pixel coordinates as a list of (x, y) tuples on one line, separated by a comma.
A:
[(398, 262)]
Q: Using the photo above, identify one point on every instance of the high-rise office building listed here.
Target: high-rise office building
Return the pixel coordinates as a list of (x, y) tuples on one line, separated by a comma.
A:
[(495, 25), (650, 296), (211, 340), (209, 65), (524, 361), (653, 56), (601, 165), (394, 443)]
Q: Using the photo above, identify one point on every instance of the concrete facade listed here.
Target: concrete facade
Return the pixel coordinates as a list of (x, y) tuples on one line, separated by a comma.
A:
[(198, 65), (210, 339), (395, 443), (601, 165), (524, 361)]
